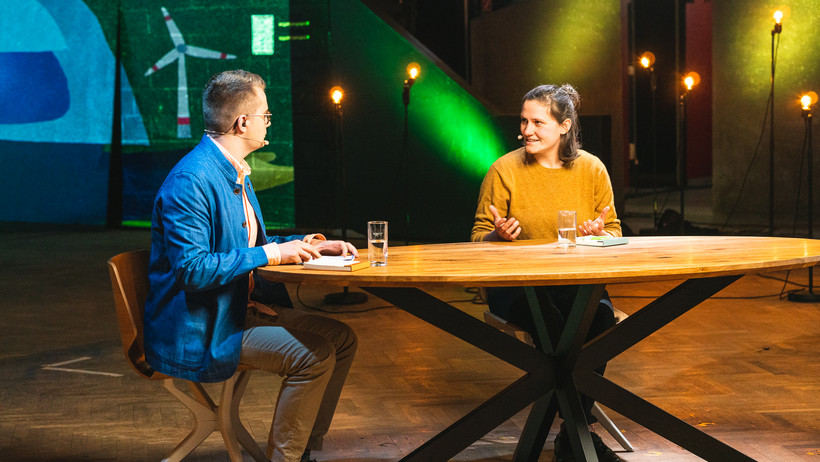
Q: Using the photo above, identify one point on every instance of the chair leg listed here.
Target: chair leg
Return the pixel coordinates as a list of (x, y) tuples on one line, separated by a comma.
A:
[(224, 418), (205, 422), (209, 417), (610, 427), (233, 432), (245, 438)]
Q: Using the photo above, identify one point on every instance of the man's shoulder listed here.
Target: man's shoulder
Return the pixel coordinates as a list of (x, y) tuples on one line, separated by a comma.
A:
[(199, 166), (203, 157)]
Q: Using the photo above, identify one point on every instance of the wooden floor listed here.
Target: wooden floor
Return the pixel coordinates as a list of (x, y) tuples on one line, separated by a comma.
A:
[(744, 367)]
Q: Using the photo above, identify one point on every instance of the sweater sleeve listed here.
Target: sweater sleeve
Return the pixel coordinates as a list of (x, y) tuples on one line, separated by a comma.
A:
[(604, 197), (492, 192)]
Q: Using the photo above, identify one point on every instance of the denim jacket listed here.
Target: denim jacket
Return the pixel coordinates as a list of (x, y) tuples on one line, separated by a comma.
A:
[(199, 268)]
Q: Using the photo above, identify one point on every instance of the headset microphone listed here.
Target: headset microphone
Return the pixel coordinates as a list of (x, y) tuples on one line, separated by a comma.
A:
[(263, 143), (520, 137)]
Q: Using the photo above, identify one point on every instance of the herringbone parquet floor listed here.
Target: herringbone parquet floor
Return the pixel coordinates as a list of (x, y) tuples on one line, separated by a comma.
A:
[(743, 369)]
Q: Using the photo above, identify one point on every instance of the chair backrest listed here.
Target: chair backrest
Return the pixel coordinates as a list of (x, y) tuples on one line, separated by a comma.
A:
[(129, 281)]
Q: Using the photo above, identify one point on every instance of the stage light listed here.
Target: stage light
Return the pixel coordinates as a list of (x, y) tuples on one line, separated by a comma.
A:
[(346, 297), (647, 60), (778, 26), (808, 99), (413, 71), (336, 94), (806, 102), (691, 80)]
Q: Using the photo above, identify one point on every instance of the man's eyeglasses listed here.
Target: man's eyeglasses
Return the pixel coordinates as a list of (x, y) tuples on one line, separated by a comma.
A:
[(267, 115)]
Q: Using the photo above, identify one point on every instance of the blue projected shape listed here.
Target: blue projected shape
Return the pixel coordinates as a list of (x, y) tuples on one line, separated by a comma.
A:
[(69, 32), (33, 88), (26, 27)]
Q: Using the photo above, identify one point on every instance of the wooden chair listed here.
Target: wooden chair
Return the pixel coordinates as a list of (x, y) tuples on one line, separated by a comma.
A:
[(524, 336), (129, 280)]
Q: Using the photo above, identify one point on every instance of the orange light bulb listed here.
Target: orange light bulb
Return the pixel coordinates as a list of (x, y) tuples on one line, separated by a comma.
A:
[(336, 94), (413, 70), (691, 79), (647, 59)]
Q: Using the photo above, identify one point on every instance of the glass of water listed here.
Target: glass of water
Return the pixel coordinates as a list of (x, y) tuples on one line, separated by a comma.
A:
[(377, 243), (567, 229)]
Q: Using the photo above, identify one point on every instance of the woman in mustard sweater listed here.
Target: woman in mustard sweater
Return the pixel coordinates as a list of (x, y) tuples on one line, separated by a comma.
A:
[(520, 199)]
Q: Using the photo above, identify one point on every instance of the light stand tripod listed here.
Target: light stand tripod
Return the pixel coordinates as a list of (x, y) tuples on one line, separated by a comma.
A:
[(689, 81), (653, 87), (808, 296), (413, 70), (647, 61), (778, 27), (346, 297)]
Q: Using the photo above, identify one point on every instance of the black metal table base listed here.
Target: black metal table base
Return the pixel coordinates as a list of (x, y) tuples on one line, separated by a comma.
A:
[(556, 375), (536, 382)]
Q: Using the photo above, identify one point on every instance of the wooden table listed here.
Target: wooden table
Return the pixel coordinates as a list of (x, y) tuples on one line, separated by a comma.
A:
[(554, 377)]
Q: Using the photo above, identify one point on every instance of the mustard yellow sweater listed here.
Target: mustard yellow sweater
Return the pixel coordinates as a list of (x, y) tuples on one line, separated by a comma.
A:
[(521, 188)]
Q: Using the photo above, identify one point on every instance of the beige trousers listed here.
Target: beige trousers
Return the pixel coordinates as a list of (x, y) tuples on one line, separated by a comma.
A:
[(313, 353)]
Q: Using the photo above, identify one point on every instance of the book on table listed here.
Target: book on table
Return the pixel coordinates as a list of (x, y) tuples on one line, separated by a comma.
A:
[(335, 263), (601, 241)]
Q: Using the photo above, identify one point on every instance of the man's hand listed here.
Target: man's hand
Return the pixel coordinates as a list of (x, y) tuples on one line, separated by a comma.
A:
[(595, 227), (335, 248), (296, 252), (505, 228)]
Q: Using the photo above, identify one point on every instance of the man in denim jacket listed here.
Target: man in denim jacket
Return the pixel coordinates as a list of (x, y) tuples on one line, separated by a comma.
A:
[(207, 237)]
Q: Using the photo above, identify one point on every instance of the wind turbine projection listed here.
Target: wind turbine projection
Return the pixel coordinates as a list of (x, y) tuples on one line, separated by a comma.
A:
[(178, 54)]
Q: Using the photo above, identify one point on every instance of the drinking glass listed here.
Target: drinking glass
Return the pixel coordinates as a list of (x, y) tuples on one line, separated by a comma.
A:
[(567, 229), (377, 243)]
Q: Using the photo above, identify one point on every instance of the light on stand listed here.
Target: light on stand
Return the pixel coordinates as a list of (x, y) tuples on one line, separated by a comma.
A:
[(413, 72), (807, 101), (778, 27), (336, 94), (690, 81), (647, 61), (346, 297)]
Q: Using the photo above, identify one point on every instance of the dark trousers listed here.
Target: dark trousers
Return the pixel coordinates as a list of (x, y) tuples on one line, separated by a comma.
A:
[(556, 302)]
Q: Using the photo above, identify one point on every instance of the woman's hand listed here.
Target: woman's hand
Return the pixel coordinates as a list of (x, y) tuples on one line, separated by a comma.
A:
[(594, 227), (505, 228)]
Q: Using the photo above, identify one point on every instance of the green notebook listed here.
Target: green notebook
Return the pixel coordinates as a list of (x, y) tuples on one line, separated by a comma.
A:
[(601, 241)]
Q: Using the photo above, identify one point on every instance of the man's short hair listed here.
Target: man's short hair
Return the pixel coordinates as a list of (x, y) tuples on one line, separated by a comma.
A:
[(228, 95)]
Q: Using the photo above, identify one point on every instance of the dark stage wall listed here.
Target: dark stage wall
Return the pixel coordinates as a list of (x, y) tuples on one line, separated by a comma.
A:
[(742, 80), (56, 136)]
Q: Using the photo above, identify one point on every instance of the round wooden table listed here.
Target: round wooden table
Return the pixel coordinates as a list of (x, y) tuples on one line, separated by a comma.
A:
[(560, 369)]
